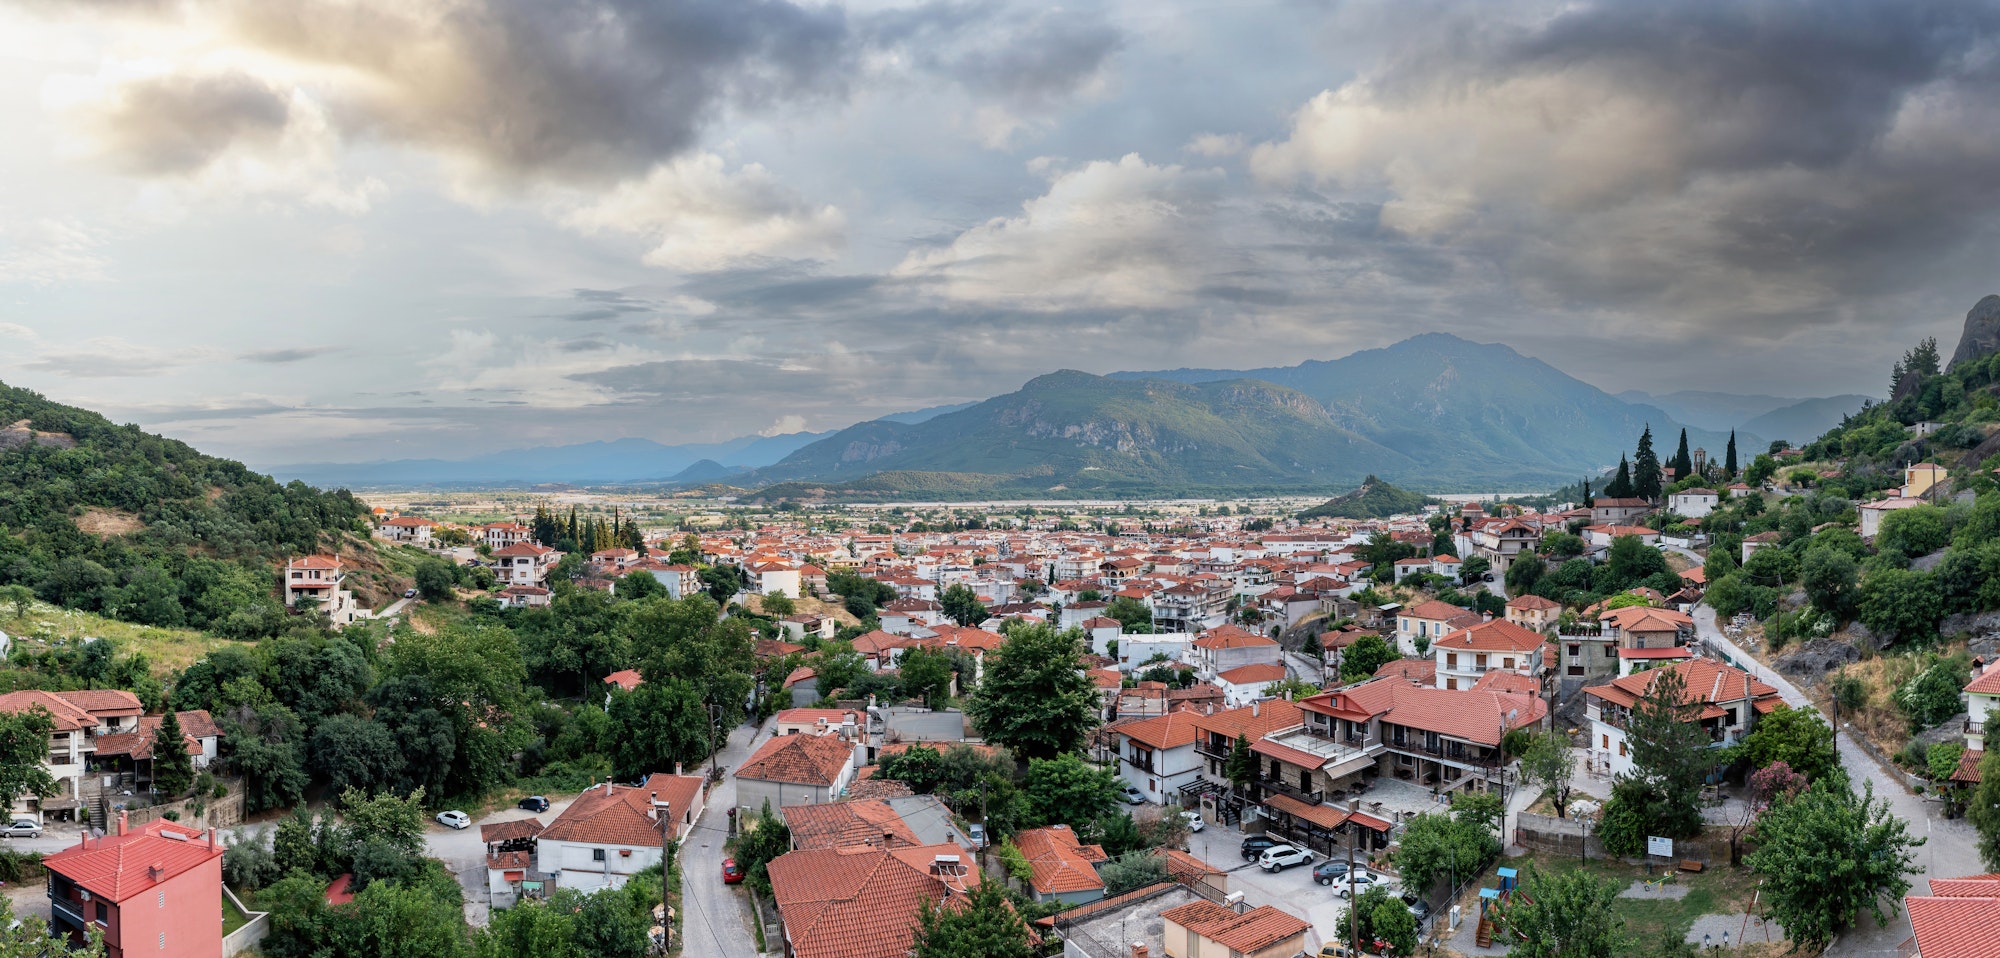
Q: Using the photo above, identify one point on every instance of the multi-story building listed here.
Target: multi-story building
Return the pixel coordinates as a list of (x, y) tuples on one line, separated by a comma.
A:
[(611, 832), (524, 563), (79, 719), (155, 890), (1729, 700), (321, 582), (1157, 756), (500, 535), (1467, 655), (408, 530), (1429, 621), (1227, 647)]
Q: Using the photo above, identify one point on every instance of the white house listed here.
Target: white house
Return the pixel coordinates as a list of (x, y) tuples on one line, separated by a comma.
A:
[(795, 770), (775, 578), (1872, 513), (1227, 646), (1730, 699), (1982, 699), (1599, 536), (1245, 684), (1465, 656), (524, 563), (1429, 620), (1693, 503), (409, 530), (1157, 756), (321, 579), (611, 832)]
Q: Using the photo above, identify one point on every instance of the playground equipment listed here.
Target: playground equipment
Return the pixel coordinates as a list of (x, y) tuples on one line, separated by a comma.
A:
[(1493, 906)]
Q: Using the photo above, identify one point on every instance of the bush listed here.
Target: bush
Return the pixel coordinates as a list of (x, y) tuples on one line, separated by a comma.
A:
[(247, 864), (19, 866), (1932, 696)]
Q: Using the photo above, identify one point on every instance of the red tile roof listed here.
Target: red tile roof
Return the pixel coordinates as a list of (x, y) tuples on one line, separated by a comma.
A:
[(1172, 730), (1988, 682), (621, 814), (1433, 609), (1414, 671), (119, 867), (1498, 635), (860, 902), (627, 679), (1955, 927), (516, 830), (1532, 603), (837, 824), (1707, 681), (1253, 721), (1250, 932), (799, 760), (138, 744), (1061, 864), (1255, 672), (1232, 637)]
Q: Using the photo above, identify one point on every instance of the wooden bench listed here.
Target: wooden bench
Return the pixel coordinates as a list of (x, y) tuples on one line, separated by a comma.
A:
[(1690, 865)]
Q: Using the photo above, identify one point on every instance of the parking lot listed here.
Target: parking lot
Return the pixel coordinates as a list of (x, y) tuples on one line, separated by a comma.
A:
[(1291, 890)]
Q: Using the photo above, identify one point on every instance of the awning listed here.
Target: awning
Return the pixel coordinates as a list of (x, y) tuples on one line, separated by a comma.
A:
[(1286, 753), (1370, 822), (1325, 816), (513, 876)]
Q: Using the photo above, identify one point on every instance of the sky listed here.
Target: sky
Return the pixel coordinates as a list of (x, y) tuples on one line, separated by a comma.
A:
[(349, 230)]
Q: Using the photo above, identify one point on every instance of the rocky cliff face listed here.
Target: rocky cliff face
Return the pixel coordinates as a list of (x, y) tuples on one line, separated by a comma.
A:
[(1982, 331)]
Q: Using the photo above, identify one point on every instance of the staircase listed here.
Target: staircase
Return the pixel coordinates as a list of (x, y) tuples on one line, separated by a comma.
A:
[(1485, 937)]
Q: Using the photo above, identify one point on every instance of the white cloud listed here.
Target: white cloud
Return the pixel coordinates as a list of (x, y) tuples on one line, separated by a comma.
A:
[(1118, 234), (49, 251), (701, 216), (785, 425), (113, 357), (526, 369), (16, 330), (1215, 145)]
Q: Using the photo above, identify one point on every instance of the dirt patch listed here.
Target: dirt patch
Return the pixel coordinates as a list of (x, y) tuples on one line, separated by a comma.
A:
[(22, 434), (108, 522), (420, 623)]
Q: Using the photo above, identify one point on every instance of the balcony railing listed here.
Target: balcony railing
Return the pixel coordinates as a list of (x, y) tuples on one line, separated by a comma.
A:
[(68, 909), (1292, 789)]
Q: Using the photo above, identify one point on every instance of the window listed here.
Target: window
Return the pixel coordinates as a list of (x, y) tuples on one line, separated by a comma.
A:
[(1451, 660), (1610, 652), (103, 913), (163, 941), (1621, 746), (1451, 684), (597, 854), (163, 900), (1607, 740), (1576, 670), (1575, 650)]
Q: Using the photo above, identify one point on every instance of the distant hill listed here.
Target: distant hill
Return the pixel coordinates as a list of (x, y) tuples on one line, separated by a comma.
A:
[(1806, 421), (1374, 500), (617, 461), (1470, 415), (1073, 433), (133, 524), (1716, 411), (923, 415)]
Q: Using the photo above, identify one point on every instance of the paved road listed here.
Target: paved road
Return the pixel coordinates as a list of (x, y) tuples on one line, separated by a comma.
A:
[(1950, 850), (395, 608), (718, 916)]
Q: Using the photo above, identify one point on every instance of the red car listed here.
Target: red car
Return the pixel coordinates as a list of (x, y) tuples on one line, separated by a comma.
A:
[(731, 875)]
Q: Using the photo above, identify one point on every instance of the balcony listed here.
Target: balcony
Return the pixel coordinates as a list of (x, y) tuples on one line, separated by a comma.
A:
[(65, 908), (1292, 789)]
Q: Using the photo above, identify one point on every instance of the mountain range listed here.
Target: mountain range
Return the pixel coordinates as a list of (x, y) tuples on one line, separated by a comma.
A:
[(1434, 411)]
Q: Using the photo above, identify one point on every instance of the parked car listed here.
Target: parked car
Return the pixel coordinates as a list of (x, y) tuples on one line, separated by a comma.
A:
[(1357, 883), (977, 833), (1133, 796), (534, 803), (22, 828), (1328, 872), (1277, 858), (1419, 908), (409, 593), (1333, 950), (731, 875), (1194, 821), (454, 819), (1255, 846)]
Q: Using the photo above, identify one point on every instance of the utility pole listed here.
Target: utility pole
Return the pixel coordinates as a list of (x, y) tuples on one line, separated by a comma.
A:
[(666, 822), (1353, 899)]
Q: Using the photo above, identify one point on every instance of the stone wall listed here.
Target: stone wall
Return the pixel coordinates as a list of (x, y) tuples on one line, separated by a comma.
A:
[(223, 812), (1558, 837)]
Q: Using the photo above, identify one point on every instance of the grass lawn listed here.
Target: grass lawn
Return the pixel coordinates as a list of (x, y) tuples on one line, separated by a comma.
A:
[(1719, 890), (232, 917), (165, 649)]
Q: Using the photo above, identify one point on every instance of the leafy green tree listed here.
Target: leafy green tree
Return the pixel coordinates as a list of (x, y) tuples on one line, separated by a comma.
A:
[(761, 840), (351, 752), (24, 746), (1363, 656), (1549, 762), (397, 821), (1933, 695), (1132, 615), (1682, 462), (1831, 579), (925, 674), (1066, 790), (1903, 605), (1828, 854), (1437, 846), (20, 597), (1797, 737), (1982, 807), (1912, 532), (436, 580), (1525, 572), (1942, 761), (1312, 647), (982, 925), (266, 746), (173, 768), (1132, 872), (660, 723), (1566, 914), (1761, 469), (639, 585), (1669, 756), (1393, 923), (1034, 697), (962, 605), (1475, 568), (1631, 559), (1242, 764)]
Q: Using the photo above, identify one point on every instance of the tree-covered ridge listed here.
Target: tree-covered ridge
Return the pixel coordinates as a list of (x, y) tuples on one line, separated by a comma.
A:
[(181, 538), (1374, 500)]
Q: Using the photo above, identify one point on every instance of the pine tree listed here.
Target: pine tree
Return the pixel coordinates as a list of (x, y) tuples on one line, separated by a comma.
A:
[(173, 769), (1729, 462), (1683, 463), (1586, 494), (1646, 468), (1620, 486)]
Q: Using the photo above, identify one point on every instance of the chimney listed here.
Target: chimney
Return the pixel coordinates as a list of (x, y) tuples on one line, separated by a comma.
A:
[(1485, 616), (121, 821), (677, 769), (1138, 949), (888, 838), (211, 839), (1256, 709)]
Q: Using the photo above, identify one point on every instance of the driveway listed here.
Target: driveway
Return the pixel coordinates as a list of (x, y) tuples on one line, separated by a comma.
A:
[(1951, 849), (461, 851), (718, 919)]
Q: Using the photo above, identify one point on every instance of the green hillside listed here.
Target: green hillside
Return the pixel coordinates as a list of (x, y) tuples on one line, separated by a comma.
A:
[(1071, 432), (1374, 500), (106, 518)]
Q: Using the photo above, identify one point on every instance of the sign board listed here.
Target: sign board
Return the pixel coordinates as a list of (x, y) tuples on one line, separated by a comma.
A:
[(1663, 847)]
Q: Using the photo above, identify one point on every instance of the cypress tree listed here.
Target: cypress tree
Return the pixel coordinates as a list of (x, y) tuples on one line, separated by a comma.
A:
[(1621, 484), (1646, 468), (1729, 462), (1683, 463)]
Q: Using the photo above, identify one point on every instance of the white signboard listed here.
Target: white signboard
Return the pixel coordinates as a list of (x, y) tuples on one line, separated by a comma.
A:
[(1663, 847)]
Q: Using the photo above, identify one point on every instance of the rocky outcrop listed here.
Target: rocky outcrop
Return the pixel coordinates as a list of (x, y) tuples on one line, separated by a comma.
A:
[(1982, 331), (1818, 657)]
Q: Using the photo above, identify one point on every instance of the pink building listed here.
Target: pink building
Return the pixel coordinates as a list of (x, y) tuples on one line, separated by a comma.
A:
[(155, 890)]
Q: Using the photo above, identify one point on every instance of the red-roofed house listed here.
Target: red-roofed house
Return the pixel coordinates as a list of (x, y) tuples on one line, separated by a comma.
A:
[(1156, 755), (794, 770), (155, 890), (1533, 612), (1960, 918), (1464, 656), (1982, 700), (612, 831), (413, 530), (1065, 869), (860, 901), (524, 563), (1245, 684), (1227, 646), (1204, 929), (321, 582), (79, 719), (1429, 620), (1728, 696)]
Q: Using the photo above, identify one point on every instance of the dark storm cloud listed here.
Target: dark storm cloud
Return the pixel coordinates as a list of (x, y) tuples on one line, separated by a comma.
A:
[(178, 124), (575, 88)]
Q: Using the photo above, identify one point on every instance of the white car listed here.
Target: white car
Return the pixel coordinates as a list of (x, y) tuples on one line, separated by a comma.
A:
[(22, 828), (1358, 883), (454, 819), (1280, 857), (1194, 821)]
